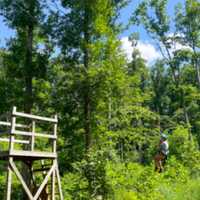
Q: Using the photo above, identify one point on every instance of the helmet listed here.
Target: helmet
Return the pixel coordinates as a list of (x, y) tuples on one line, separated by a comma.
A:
[(163, 136)]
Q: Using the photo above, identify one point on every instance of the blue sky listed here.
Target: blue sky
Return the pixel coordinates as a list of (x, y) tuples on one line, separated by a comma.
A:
[(146, 46), (6, 33), (126, 14)]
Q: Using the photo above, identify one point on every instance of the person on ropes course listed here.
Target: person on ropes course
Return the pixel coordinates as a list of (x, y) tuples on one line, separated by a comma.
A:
[(161, 156)]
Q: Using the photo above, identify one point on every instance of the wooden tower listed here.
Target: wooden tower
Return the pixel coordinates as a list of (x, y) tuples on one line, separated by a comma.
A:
[(23, 137)]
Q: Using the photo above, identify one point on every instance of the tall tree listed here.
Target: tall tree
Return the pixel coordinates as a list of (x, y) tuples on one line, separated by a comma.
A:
[(189, 31), (23, 60), (158, 26), (85, 33)]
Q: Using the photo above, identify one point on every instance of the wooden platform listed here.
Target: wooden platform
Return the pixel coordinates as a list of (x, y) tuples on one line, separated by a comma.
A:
[(23, 155), (25, 136)]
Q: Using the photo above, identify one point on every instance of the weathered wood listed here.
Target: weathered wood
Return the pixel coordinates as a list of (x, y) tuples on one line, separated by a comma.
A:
[(35, 117), (39, 154), (9, 181), (53, 177), (15, 141), (53, 183), (12, 137), (5, 123), (16, 125), (29, 155), (44, 182), (55, 135), (19, 176), (33, 136), (59, 181), (24, 133)]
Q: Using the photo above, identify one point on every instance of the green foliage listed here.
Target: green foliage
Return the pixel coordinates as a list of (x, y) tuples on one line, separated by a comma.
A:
[(111, 110), (75, 186), (186, 149), (179, 191)]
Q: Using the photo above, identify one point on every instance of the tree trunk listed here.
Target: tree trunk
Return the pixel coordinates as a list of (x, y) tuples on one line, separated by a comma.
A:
[(198, 74), (28, 96), (87, 127), (170, 59), (87, 101), (196, 66), (28, 101)]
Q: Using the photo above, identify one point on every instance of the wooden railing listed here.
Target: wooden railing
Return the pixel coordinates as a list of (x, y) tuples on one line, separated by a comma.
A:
[(29, 134), (25, 131)]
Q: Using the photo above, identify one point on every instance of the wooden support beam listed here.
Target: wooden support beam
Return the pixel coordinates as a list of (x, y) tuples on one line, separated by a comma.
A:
[(53, 183), (33, 136), (55, 135), (34, 117), (59, 181), (33, 154), (53, 178), (15, 141), (16, 125), (24, 133), (12, 137), (44, 182), (9, 181), (19, 176)]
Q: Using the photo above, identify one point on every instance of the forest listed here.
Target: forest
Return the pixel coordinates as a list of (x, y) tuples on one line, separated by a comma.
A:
[(66, 57)]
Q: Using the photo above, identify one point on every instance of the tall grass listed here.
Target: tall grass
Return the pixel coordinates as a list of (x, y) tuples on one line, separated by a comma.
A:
[(180, 191)]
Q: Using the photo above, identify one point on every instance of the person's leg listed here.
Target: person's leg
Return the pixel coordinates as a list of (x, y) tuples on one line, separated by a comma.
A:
[(160, 166), (157, 162), (162, 160)]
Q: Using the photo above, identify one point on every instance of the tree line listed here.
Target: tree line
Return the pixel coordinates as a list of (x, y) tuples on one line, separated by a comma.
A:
[(66, 58)]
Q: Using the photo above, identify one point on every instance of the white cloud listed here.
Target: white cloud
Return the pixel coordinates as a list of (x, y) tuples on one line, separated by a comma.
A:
[(178, 46), (175, 45), (147, 50)]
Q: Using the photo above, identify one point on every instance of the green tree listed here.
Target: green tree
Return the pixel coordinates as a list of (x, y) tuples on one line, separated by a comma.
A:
[(87, 37), (24, 60), (189, 31)]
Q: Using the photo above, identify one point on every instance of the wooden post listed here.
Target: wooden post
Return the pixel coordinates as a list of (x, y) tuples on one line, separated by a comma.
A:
[(12, 137), (53, 180), (11, 147), (19, 176), (55, 134), (44, 182), (33, 136), (9, 182), (59, 182)]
